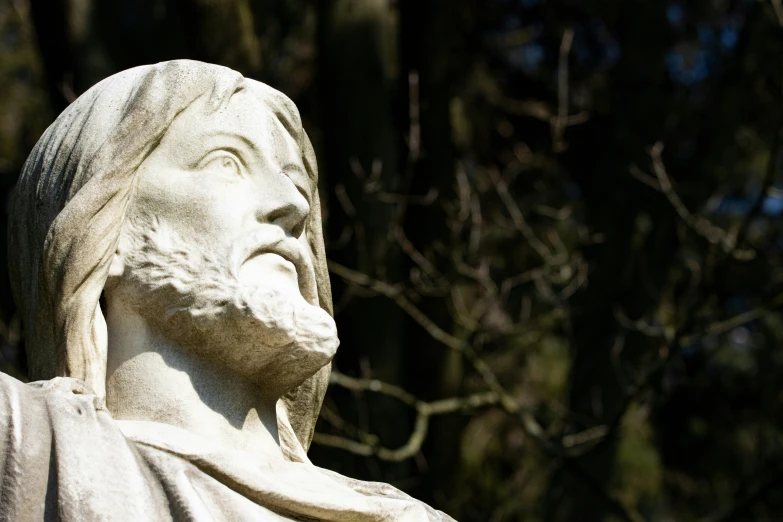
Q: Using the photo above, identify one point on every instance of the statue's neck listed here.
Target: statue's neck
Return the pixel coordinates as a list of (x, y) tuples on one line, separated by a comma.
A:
[(151, 378)]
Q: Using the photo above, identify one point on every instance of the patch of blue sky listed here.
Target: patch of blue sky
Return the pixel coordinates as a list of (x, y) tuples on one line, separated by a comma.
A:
[(610, 48), (612, 51), (528, 57), (686, 66), (733, 206), (675, 14), (729, 37), (706, 35), (771, 205)]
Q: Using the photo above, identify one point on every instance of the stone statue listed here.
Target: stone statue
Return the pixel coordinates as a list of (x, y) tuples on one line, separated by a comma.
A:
[(167, 259)]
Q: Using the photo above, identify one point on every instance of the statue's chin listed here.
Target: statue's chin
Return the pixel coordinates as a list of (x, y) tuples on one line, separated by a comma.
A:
[(312, 344), (271, 338)]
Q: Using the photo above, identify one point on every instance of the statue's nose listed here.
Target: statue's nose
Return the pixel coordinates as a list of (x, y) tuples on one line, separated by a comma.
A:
[(283, 205)]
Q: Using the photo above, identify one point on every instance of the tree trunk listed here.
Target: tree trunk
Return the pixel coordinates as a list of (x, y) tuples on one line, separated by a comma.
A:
[(359, 148)]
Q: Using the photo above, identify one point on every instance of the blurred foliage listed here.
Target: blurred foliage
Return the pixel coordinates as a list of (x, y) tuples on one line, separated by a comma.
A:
[(570, 207)]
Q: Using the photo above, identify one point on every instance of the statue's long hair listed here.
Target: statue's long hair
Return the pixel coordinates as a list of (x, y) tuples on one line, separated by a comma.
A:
[(70, 204)]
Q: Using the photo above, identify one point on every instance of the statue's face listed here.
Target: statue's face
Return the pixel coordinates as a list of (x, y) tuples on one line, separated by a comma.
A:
[(216, 255), (217, 180)]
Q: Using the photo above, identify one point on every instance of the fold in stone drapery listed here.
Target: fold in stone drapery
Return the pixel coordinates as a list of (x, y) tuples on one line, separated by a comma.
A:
[(145, 471)]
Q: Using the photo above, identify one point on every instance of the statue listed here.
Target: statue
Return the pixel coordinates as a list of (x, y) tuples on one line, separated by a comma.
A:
[(168, 261)]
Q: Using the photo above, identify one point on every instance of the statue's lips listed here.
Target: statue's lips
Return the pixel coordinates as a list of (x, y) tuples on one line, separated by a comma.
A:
[(292, 251)]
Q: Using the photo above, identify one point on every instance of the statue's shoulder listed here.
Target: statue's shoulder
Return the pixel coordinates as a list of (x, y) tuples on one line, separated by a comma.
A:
[(31, 412), (14, 393), (20, 400), (25, 451), (10, 385), (93, 470)]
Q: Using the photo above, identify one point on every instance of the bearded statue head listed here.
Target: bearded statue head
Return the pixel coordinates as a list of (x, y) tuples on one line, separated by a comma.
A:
[(199, 212)]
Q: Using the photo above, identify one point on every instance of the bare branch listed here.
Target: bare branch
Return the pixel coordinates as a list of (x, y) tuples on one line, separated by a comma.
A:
[(373, 183), (345, 201), (518, 218), (416, 256), (373, 385), (769, 176), (463, 193), (716, 328), (721, 327), (639, 325), (703, 227), (699, 224), (532, 108), (414, 131), (645, 178), (395, 293), (559, 125), (391, 197), (521, 278), (558, 214), (532, 427), (424, 410)]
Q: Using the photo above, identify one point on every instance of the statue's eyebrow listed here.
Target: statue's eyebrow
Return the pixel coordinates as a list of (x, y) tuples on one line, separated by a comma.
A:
[(246, 143)]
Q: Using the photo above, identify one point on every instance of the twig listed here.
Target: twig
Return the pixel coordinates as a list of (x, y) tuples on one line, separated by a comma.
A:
[(521, 278), (769, 176), (414, 254), (394, 293), (702, 226), (518, 218), (373, 385), (558, 128), (345, 201), (716, 328), (729, 324), (424, 410), (414, 131), (391, 197)]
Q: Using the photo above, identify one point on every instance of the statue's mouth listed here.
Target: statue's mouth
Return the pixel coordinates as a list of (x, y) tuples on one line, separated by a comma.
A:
[(273, 240)]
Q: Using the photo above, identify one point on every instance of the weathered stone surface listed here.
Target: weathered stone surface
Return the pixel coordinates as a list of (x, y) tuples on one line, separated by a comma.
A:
[(167, 257)]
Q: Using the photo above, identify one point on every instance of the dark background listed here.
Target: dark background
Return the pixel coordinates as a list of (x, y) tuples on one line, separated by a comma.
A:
[(554, 229)]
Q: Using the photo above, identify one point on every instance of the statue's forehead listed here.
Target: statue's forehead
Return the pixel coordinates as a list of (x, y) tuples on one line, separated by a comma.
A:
[(255, 111), (257, 123)]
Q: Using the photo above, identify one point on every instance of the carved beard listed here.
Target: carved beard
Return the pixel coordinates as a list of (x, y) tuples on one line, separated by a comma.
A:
[(271, 338)]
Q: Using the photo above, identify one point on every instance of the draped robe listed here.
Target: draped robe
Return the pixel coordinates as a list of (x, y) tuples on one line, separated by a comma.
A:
[(63, 457)]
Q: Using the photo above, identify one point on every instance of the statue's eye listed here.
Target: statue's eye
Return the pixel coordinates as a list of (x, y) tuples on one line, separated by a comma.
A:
[(222, 161)]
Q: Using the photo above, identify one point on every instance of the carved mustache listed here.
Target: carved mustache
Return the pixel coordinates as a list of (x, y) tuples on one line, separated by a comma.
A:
[(272, 239)]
